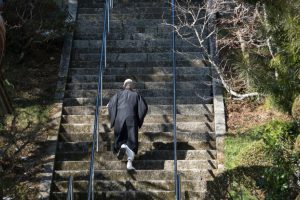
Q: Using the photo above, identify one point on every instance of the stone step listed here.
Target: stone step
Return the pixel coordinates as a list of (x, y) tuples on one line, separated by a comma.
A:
[(147, 185), (126, 13), (143, 155), (144, 92), (138, 49), (140, 57), (138, 164), (139, 175), (98, 19), (150, 100), (139, 34), (140, 71), (85, 146), (121, 4), (133, 195), (134, 46), (143, 136), (94, 25), (93, 46), (152, 64), (155, 127), (89, 119), (139, 78), (142, 85), (192, 109), (128, 10)]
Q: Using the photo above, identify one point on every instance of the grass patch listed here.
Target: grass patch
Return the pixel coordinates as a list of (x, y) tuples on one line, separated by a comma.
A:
[(261, 163)]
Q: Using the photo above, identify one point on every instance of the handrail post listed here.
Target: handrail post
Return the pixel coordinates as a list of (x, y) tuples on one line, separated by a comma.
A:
[(107, 5), (95, 134), (174, 100), (178, 187), (70, 189)]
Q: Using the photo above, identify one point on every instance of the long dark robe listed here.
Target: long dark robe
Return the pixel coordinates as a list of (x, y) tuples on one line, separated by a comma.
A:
[(127, 110)]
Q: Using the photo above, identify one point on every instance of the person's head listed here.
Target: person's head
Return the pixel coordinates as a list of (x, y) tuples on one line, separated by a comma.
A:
[(128, 84)]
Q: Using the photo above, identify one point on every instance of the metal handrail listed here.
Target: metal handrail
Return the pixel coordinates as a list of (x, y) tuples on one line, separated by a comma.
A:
[(95, 145), (70, 189), (176, 175)]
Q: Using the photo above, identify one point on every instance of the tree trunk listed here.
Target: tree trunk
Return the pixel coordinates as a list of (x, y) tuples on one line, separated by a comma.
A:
[(5, 101)]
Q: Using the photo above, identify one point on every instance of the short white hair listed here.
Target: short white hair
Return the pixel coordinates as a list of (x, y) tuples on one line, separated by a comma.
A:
[(126, 82)]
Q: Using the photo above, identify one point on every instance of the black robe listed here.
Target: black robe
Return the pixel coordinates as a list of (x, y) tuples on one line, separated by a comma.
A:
[(127, 110)]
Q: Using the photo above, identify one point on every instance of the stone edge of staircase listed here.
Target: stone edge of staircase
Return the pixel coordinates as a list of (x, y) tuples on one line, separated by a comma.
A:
[(46, 175), (220, 122)]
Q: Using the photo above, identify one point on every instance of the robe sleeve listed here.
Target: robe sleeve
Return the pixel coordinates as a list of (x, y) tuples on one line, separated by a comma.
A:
[(112, 109), (142, 110)]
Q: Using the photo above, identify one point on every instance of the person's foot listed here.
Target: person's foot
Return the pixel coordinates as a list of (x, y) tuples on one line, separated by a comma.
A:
[(130, 153), (122, 152), (129, 166)]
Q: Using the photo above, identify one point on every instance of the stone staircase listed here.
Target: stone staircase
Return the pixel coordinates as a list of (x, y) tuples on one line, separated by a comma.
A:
[(139, 47)]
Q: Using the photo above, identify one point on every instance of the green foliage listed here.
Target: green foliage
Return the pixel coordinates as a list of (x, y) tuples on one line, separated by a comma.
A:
[(263, 160), (274, 74), (296, 109), (254, 154), (279, 138), (297, 146)]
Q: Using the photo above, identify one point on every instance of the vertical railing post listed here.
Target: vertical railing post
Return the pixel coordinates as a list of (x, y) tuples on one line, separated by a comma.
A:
[(95, 143), (108, 14), (174, 99), (70, 189), (178, 187)]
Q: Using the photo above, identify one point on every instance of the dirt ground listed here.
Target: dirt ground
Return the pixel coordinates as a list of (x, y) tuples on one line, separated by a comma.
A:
[(242, 115)]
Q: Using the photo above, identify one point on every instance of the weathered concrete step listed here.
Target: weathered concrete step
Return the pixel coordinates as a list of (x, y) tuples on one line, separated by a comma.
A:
[(143, 137), (155, 127), (146, 155), (81, 34), (139, 165), (138, 71), (139, 175), (150, 100), (133, 195), (142, 85), (89, 119), (86, 146), (137, 49), (206, 92), (140, 57), (192, 109), (146, 26), (154, 63), (133, 46), (97, 20), (125, 14), (95, 45), (112, 185), (121, 4), (138, 78), (127, 10)]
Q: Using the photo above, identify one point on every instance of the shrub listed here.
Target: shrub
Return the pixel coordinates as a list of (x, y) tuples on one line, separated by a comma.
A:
[(297, 146), (296, 109)]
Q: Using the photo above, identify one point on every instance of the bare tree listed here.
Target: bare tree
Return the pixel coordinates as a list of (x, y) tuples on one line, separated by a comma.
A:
[(219, 26)]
